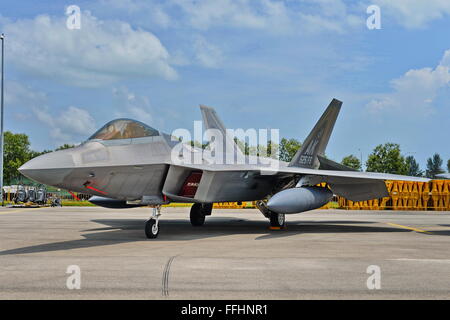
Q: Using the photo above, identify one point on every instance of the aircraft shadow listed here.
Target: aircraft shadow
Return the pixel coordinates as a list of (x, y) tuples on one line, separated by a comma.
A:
[(118, 231)]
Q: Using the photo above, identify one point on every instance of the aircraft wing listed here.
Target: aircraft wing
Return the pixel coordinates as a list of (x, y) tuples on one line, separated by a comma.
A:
[(353, 185), (265, 170), (349, 174)]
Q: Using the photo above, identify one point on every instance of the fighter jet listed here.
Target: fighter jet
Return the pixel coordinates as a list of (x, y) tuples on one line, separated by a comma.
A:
[(127, 163)]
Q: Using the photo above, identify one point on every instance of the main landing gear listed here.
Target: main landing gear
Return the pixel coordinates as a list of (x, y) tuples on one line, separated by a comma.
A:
[(151, 225), (198, 213), (277, 220)]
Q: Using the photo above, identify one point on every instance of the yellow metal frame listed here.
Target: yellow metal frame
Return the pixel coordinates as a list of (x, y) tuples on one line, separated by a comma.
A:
[(407, 195)]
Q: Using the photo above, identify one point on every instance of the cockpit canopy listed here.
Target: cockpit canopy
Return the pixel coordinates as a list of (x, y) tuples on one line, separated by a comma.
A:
[(124, 129)]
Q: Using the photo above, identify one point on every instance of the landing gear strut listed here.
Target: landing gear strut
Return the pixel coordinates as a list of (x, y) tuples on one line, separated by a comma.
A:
[(198, 213), (277, 220), (151, 225)]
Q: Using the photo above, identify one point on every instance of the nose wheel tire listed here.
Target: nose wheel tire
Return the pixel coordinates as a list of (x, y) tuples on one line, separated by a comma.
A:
[(151, 228), (277, 220)]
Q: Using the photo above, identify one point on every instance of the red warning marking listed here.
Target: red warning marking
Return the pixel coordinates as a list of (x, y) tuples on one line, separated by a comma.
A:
[(74, 195), (95, 189)]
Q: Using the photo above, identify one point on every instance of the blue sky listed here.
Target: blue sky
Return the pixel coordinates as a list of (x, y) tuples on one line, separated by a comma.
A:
[(261, 64)]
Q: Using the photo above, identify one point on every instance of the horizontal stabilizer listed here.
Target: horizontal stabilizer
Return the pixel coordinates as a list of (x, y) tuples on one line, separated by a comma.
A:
[(327, 164)]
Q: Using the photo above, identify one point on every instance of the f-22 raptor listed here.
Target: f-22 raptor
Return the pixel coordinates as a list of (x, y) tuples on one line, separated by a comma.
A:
[(127, 163)]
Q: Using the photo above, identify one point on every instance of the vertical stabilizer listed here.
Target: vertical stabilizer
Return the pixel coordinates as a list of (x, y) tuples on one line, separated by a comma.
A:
[(316, 142), (211, 121)]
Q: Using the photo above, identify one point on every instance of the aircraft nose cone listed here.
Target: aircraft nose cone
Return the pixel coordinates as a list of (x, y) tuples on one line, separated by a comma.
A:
[(49, 168)]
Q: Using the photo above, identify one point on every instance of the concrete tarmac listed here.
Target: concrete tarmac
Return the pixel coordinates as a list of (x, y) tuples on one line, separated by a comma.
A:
[(323, 254)]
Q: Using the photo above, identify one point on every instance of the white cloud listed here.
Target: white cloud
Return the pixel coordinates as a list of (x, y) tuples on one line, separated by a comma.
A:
[(217, 20), (99, 53), (415, 13), (328, 15), (76, 121), (21, 116), (446, 59), (69, 125), (270, 15), (132, 106), (207, 54), (416, 90), (65, 126), (152, 12), (17, 94), (204, 14)]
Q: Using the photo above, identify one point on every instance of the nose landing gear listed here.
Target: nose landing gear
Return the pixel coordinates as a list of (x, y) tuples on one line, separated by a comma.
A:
[(151, 225)]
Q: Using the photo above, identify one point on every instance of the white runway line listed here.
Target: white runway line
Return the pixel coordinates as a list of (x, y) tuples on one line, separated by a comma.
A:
[(422, 260)]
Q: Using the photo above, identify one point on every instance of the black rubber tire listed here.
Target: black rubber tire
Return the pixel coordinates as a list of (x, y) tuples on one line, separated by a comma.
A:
[(197, 215), (277, 220), (207, 209), (151, 229)]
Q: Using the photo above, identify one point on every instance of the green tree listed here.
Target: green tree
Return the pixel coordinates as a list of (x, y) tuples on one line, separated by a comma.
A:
[(352, 162), (434, 166), (448, 165), (64, 146), (270, 150), (16, 153), (34, 154), (387, 158), (413, 167), (197, 144), (241, 145), (288, 149)]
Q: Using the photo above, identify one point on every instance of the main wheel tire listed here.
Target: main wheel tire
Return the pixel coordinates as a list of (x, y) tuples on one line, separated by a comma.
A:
[(277, 220), (151, 229), (207, 209), (197, 215)]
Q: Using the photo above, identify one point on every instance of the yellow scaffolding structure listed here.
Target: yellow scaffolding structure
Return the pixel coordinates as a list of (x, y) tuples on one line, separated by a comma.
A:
[(407, 195)]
